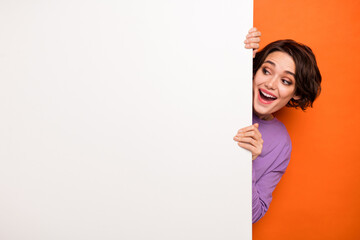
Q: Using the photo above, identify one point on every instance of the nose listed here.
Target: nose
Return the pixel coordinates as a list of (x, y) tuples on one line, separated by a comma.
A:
[(271, 83)]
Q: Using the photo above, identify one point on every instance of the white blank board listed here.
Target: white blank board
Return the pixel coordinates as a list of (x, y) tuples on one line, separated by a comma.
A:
[(117, 119)]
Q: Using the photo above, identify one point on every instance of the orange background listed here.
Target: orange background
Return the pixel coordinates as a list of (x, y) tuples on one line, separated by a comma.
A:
[(319, 195)]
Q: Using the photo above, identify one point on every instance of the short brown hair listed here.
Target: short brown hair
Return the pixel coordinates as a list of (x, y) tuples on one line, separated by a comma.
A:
[(307, 74)]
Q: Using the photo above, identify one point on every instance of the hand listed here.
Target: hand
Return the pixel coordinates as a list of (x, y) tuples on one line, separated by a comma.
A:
[(252, 40), (250, 139)]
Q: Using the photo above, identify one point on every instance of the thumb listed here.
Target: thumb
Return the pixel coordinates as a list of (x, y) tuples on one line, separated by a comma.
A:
[(256, 125), (254, 53)]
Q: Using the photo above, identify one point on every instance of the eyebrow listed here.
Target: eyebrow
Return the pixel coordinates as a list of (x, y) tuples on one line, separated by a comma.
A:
[(272, 63)]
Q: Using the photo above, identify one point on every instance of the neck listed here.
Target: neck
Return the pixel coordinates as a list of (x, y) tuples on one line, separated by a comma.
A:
[(265, 117)]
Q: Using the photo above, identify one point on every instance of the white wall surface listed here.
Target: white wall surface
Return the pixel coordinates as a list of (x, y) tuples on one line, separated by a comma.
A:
[(117, 119)]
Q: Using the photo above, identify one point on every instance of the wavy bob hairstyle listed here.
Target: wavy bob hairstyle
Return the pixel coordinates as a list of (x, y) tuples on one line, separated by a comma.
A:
[(307, 74)]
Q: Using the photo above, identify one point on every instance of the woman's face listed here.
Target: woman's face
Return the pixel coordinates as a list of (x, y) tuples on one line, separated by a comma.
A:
[(274, 84)]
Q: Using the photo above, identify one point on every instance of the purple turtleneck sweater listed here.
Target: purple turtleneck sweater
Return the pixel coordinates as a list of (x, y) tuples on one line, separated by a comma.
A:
[(270, 165)]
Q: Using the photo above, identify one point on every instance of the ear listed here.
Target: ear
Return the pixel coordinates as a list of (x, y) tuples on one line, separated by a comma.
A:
[(296, 97)]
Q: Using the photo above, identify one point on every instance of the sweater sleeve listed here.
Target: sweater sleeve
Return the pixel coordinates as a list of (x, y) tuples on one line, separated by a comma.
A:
[(263, 186)]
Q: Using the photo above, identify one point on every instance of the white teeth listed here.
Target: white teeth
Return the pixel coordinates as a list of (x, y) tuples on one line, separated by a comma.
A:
[(267, 95)]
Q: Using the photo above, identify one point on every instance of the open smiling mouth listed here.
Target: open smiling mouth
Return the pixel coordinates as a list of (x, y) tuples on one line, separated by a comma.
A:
[(265, 97)]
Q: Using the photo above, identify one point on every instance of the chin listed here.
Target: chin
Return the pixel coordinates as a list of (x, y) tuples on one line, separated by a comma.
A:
[(260, 109), (261, 112)]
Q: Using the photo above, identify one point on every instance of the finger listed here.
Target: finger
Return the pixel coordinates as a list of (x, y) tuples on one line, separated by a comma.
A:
[(245, 139), (254, 34), (248, 140), (256, 129), (252, 45), (252, 40), (247, 134), (247, 46), (254, 29), (255, 134), (245, 129), (247, 147)]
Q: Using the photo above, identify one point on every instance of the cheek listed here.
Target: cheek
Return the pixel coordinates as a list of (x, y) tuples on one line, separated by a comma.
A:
[(286, 92), (257, 80)]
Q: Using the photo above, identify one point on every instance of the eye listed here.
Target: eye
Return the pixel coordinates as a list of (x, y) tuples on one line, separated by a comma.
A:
[(286, 82), (265, 71)]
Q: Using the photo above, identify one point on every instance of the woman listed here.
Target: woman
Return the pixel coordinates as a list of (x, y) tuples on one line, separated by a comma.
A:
[(285, 73)]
